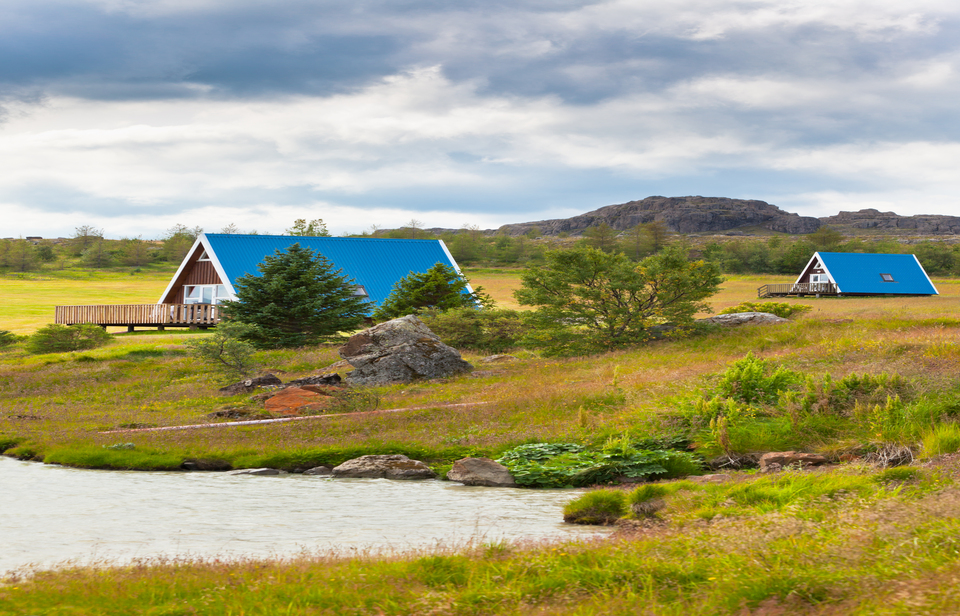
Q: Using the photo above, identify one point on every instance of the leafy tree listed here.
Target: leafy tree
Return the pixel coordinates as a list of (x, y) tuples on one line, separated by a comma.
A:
[(491, 331), (826, 238), (7, 338), (439, 288), (298, 299), (83, 237), (97, 255), (413, 228), (56, 338), (587, 299), (226, 350), (314, 228), (21, 255), (177, 242), (602, 237), (135, 251)]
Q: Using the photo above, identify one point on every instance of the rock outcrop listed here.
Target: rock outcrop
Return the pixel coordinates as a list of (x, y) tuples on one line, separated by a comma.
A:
[(481, 472), (400, 351), (384, 467), (248, 385), (680, 214), (922, 224), (776, 460), (744, 318)]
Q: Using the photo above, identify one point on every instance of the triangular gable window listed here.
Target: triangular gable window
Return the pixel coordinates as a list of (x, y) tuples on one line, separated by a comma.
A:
[(204, 256)]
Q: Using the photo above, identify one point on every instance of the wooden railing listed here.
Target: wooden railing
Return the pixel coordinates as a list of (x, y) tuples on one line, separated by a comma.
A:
[(804, 288), (174, 315)]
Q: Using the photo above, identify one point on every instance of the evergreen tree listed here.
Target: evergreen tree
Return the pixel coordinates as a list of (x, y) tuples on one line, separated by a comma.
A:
[(298, 299), (439, 288)]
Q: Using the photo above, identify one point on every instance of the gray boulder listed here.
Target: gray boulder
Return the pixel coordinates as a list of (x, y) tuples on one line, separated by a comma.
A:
[(776, 460), (329, 378), (744, 318), (248, 385), (263, 472), (384, 467), (400, 351), (481, 472), (319, 470)]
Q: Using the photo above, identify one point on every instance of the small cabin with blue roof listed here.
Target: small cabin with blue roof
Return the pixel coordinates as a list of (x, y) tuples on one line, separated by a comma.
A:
[(850, 273), (208, 272)]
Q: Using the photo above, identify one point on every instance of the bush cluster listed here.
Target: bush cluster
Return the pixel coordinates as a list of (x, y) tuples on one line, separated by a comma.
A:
[(491, 331), (56, 338)]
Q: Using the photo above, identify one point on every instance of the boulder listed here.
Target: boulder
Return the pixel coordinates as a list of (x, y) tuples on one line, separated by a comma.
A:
[(400, 351), (262, 472), (481, 472), (203, 464), (775, 460), (384, 467), (328, 378), (297, 400), (319, 470), (744, 318), (248, 385)]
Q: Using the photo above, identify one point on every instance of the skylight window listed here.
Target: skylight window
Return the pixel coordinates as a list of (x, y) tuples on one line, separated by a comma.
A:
[(887, 277)]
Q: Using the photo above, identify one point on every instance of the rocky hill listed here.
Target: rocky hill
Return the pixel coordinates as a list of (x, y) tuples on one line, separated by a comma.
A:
[(920, 224), (680, 214)]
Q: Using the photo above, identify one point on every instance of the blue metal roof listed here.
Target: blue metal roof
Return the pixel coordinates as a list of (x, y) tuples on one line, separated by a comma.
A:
[(861, 273), (375, 263)]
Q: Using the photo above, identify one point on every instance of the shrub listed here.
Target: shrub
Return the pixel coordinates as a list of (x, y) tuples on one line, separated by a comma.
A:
[(781, 309), (64, 338), (226, 350), (596, 507), (646, 500), (944, 438), (748, 381), (440, 288), (493, 331), (7, 338)]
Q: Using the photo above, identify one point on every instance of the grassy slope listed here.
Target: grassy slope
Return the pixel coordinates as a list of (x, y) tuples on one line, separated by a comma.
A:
[(887, 549)]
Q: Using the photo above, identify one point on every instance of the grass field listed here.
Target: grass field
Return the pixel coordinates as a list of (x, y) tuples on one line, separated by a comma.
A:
[(854, 539)]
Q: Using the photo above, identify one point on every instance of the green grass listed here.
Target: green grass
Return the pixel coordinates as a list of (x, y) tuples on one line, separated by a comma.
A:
[(854, 540)]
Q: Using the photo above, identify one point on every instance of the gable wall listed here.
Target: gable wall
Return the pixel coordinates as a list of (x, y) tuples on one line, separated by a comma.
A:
[(814, 268), (196, 272)]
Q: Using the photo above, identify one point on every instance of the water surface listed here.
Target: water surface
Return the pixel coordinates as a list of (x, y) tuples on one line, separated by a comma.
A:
[(52, 514)]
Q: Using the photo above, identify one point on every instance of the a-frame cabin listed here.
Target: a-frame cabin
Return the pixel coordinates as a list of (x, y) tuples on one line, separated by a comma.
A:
[(854, 273)]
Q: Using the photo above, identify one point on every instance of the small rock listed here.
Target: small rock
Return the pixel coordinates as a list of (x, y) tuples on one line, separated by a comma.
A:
[(204, 464), (319, 470), (248, 385), (481, 472), (790, 458), (497, 359), (328, 378), (261, 472), (384, 467), (296, 400)]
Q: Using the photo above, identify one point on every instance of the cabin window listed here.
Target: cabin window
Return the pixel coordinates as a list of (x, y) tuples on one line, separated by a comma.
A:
[(816, 278), (204, 294), (204, 256), (887, 277), (360, 291)]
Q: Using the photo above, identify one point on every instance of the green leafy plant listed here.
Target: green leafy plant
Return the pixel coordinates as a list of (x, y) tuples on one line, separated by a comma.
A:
[(942, 439), (226, 350), (492, 331), (750, 380), (298, 299), (781, 309), (588, 299), (57, 338)]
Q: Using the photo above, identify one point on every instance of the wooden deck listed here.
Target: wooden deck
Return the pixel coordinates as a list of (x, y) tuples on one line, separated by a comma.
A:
[(784, 290), (141, 315)]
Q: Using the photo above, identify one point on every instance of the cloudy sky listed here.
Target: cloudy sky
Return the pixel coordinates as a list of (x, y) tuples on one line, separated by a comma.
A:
[(135, 115)]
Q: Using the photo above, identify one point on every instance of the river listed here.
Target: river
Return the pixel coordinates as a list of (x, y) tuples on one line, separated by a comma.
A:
[(51, 515)]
